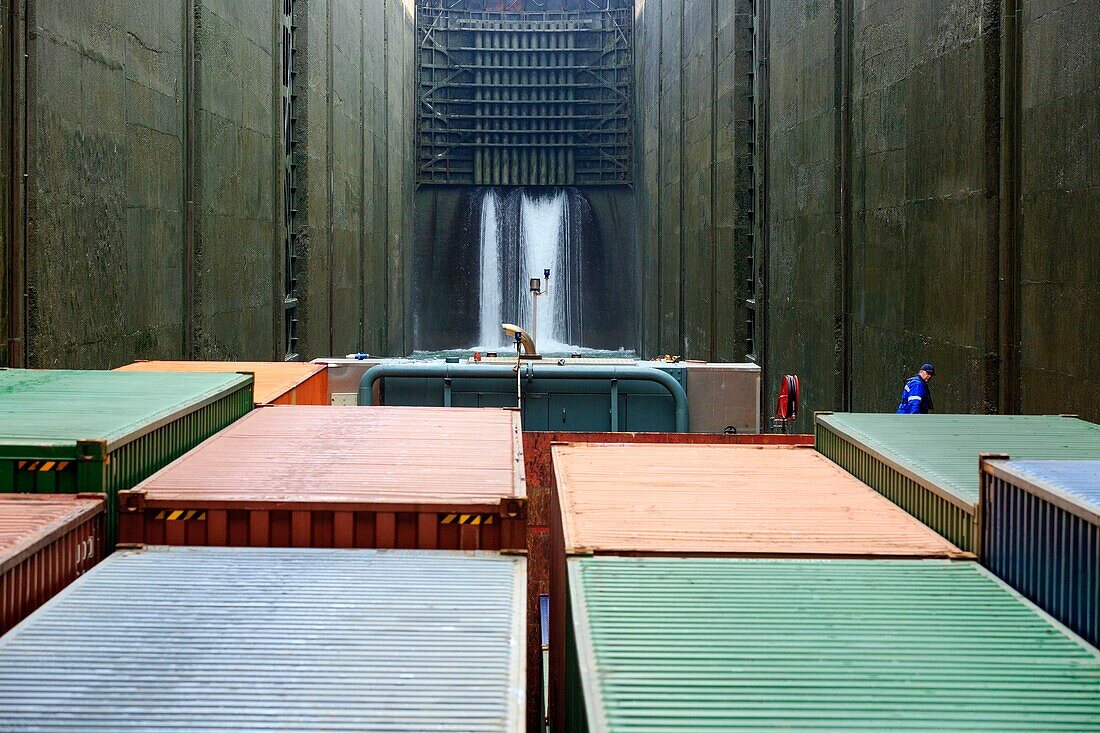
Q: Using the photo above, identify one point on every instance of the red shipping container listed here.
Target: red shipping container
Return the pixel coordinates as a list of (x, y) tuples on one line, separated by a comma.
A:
[(46, 542), (352, 477)]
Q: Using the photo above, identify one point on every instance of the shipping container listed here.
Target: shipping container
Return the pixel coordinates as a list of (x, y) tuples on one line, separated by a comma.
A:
[(387, 477), (690, 644), (46, 542), (262, 639), (1041, 533), (277, 382), (536, 456), (734, 501), (928, 464), (104, 431)]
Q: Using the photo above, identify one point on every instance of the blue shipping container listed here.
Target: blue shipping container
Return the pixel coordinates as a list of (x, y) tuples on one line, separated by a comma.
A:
[(1041, 534)]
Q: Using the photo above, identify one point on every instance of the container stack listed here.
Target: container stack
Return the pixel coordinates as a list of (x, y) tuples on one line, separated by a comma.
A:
[(348, 477), (1041, 534), (103, 432), (46, 542), (277, 382), (681, 576), (251, 639), (928, 464)]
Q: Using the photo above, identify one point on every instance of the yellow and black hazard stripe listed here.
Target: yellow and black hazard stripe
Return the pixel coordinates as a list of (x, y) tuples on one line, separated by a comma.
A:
[(467, 518), (42, 466), (178, 515)]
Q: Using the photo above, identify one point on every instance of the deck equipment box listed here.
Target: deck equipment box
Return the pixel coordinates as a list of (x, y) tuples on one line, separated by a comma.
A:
[(104, 431), (1041, 534), (46, 542), (928, 464), (691, 644), (277, 382), (386, 477), (263, 639)]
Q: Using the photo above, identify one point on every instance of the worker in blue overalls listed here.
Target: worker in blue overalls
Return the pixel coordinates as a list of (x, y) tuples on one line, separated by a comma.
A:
[(916, 397)]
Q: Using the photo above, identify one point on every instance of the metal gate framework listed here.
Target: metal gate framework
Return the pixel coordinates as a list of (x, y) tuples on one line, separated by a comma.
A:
[(529, 96)]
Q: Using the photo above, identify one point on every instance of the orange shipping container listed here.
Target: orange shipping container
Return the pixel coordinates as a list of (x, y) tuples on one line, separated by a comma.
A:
[(717, 500), (277, 382), (363, 477), (46, 542)]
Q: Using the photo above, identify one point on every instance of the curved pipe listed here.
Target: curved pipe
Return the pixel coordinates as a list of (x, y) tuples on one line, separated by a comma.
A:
[(532, 371)]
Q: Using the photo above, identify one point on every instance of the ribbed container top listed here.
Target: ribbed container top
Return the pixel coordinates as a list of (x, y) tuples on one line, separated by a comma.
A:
[(1079, 479), (727, 499), (29, 521), (42, 407), (247, 639), (944, 449), (273, 378), (826, 645), (367, 454)]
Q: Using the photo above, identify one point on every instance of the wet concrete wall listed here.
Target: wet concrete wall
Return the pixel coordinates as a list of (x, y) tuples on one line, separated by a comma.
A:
[(153, 226), (694, 196), (931, 197)]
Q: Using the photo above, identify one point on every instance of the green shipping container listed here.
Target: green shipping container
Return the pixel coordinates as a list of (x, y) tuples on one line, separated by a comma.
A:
[(928, 464), (105, 431), (678, 644)]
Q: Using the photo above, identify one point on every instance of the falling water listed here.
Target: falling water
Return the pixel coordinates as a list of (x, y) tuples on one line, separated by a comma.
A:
[(542, 230), (524, 233), (492, 272)]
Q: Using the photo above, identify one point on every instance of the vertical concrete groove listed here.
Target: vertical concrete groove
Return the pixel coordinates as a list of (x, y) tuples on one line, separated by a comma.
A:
[(682, 336), (760, 171), (188, 306), (362, 332), (17, 218), (713, 328), (329, 173), (994, 328), (278, 147), (659, 315), (1008, 247), (843, 87), (386, 178)]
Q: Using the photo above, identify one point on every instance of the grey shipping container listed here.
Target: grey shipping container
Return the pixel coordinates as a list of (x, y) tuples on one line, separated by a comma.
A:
[(1041, 533), (251, 639)]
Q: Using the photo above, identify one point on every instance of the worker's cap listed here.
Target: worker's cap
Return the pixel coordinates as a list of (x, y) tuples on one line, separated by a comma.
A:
[(928, 368)]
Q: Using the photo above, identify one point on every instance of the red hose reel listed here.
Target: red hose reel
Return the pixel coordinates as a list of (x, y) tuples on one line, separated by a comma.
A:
[(786, 406)]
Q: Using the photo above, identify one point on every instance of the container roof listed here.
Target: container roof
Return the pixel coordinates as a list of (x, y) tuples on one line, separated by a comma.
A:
[(31, 521), (733, 644), (728, 499), (366, 454), (1079, 479), (249, 639), (273, 378), (944, 450), (42, 407)]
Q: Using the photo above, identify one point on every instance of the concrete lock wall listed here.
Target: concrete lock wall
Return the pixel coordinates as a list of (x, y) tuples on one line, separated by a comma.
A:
[(694, 176), (152, 224), (931, 187)]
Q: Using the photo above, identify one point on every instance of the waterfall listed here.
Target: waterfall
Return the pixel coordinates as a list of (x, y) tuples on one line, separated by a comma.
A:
[(523, 233), (492, 272)]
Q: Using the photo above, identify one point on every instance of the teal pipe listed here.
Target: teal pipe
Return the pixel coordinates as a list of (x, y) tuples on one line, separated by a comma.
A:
[(436, 370)]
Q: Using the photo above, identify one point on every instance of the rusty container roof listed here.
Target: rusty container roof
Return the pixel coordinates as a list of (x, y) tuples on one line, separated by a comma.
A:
[(767, 501), (273, 378), (28, 522), (359, 454)]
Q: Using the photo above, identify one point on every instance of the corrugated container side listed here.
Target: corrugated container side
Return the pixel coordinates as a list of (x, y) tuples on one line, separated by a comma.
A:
[(102, 467), (691, 644), (327, 524), (946, 514), (54, 549), (351, 640), (195, 502), (1045, 542)]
